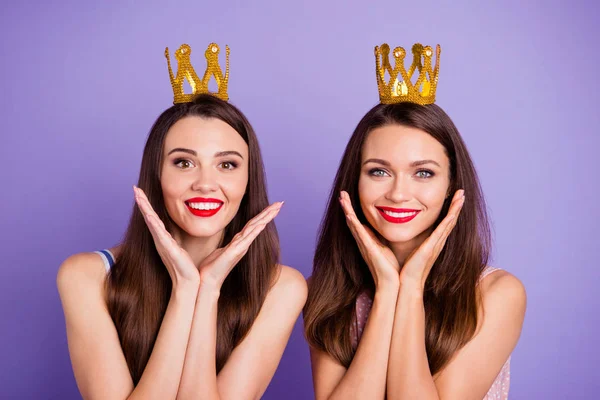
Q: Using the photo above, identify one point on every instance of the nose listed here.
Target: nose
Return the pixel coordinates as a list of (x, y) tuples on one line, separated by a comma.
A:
[(205, 181), (400, 189)]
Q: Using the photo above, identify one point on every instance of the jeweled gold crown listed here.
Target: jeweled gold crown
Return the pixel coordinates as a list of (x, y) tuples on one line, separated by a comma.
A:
[(400, 87), (186, 71)]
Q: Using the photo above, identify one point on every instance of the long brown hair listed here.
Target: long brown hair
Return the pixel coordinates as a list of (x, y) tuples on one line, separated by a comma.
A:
[(139, 286), (340, 273)]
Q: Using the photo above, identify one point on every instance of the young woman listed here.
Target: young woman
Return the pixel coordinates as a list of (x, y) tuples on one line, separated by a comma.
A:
[(402, 303), (193, 303)]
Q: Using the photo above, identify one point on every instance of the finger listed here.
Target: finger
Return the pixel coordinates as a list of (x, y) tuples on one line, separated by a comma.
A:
[(449, 224), (264, 220), (441, 242), (449, 219), (373, 236), (265, 214), (164, 242), (362, 236), (236, 249), (242, 241), (356, 227), (346, 203), (364, 239), (144, 204), (361, 246), (365, 234), (155, 225), (352, 228), (457, 203)]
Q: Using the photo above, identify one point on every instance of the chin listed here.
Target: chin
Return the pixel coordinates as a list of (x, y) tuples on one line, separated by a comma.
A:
[(206, 231), (398, 235)]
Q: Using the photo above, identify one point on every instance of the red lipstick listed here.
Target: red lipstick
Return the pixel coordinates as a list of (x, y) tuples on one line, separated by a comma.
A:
[(204, 213), (397, 220)]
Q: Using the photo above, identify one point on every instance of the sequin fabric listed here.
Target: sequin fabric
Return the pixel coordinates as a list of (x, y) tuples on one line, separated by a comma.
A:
[(400, 86), (185, 71), (498, 390)]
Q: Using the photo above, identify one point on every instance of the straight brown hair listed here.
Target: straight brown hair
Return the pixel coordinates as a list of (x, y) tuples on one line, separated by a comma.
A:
[(340, 273), (139, 287)]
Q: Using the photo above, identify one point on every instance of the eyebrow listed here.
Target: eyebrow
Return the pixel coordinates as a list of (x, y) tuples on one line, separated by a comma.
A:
[(219, 154), (413, 164)]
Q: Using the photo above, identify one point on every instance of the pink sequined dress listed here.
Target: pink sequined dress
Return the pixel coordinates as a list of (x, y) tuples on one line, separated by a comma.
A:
[(499, 389)]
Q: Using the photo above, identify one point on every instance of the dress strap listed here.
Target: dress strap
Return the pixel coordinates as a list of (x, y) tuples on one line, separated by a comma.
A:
[(107, 257), (488, 270)]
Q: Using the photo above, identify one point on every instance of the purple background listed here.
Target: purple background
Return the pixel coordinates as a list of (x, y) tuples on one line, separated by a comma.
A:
[(82, 83)]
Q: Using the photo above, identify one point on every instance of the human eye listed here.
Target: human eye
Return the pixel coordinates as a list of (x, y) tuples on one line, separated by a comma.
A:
[(183, 163), (424, 174), (228, 165), (378, 172)]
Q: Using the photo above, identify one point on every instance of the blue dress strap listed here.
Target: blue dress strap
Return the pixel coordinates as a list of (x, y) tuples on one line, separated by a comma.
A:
[(107, 257)]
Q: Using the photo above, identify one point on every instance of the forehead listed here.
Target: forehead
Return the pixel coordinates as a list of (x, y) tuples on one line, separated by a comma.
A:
[(206, 136), (401, 144)]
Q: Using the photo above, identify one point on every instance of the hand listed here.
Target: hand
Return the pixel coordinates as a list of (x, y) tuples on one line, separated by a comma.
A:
[(417, 266), (380, 259), (215, 268), (178, 262)]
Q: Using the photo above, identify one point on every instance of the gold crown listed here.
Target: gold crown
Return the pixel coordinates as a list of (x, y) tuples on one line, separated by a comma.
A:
[(400, 87), (186, 71)]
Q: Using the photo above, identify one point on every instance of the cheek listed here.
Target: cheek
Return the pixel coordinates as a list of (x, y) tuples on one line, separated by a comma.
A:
[(369, 191), (433, 196), (234, 187), (173, 186)]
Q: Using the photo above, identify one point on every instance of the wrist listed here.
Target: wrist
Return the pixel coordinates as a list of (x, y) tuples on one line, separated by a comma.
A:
[(390, 286), (209, 288), (210, 281), (185, 288), (411, 290)]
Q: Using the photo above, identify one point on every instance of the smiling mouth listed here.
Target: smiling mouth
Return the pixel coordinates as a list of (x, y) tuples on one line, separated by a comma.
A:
[(397, 215), (202, 207)]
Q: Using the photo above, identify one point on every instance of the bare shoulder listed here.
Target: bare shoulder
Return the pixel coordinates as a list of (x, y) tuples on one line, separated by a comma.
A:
[(502, 290), (80, 272), (290, 284)]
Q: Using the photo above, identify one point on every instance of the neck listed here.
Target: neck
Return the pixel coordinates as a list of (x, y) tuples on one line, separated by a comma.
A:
[(402, 250), (198, 247)]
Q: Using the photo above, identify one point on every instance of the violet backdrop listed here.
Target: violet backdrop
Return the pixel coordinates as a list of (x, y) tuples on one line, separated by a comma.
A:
[(82, 82)]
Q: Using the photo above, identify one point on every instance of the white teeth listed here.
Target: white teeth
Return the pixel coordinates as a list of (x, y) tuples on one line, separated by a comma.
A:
[(400, 215), (204, 206)]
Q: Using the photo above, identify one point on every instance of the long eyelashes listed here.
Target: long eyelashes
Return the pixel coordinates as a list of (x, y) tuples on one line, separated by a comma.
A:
[(378, 172), (425, 174), (228, 165), (421, 174), (184, 163)]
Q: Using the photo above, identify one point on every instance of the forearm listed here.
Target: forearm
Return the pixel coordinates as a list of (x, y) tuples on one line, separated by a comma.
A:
[(366, 376), (199, 379), (162, 374), (409, 376)]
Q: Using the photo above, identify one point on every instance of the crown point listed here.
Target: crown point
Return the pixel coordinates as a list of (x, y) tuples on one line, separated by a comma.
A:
[(186, 72), (399, 52), (400, 87)]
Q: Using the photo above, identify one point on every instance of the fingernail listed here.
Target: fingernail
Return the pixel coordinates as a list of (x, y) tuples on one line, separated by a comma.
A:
[(462, 193)]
